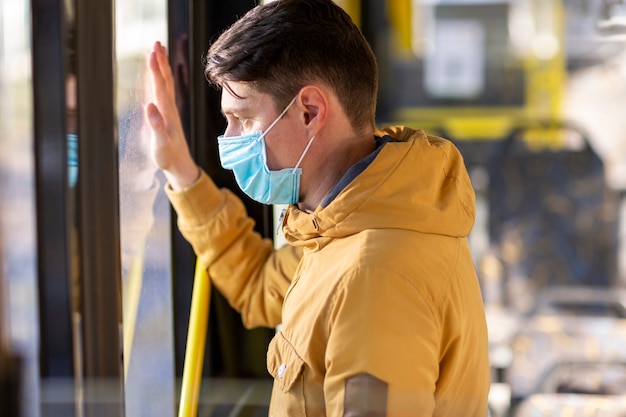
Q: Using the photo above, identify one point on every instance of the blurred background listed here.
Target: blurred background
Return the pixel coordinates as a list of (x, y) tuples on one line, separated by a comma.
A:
[(96, 282)]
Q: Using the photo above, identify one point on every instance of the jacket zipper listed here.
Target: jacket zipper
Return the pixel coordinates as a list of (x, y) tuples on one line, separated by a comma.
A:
[(280, 221)]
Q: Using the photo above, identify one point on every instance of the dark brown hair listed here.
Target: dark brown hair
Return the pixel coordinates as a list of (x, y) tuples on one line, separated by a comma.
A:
[(284, 45)]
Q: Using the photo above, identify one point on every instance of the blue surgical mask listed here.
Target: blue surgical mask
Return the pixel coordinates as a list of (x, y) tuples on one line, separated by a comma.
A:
[(246, 156)]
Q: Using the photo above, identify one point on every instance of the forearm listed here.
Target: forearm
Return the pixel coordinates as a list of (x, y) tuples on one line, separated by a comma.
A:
[(242, 265)]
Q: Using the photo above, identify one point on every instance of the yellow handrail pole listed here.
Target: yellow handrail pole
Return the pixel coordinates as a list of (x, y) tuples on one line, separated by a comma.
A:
[(131, 294), (353, 8), (196, 340)]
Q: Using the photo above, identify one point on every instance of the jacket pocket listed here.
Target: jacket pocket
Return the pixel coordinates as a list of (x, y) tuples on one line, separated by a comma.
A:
[(287, 368)]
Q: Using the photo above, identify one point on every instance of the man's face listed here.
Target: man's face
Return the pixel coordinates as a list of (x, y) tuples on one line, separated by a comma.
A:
[(255, 112)]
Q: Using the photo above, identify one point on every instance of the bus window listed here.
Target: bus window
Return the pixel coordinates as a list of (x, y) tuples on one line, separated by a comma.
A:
[(144, 220), (17, 210)]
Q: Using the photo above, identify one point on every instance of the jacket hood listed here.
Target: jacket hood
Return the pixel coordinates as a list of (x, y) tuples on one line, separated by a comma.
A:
[(416, 182)]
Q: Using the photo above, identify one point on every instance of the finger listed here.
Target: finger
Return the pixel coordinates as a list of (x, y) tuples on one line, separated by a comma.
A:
[(157, 61), (164, 65), (155, 72), (162, 79), (155, 120), (157, 50), (163, 93)]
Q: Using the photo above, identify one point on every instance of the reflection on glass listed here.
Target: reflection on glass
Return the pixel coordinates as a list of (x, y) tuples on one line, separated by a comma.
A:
[(17, 210), (144, 221)]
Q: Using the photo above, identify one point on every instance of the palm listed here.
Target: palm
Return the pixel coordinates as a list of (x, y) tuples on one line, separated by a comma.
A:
[(168, 146)]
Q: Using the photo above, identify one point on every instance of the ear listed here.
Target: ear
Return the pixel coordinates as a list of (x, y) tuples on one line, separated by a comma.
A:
[(313, 103)]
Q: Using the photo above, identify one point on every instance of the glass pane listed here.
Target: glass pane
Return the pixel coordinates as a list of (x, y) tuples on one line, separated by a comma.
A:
[(17, 210), (144, 221)]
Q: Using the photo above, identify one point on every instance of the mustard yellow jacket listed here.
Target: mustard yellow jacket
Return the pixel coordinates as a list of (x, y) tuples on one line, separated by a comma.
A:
[(380, 282)]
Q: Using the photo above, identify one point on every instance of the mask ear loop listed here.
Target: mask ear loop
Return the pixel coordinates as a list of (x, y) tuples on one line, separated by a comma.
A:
[(308, 145)]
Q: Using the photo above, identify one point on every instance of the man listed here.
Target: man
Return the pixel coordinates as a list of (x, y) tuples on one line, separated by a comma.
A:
[(380, 306)]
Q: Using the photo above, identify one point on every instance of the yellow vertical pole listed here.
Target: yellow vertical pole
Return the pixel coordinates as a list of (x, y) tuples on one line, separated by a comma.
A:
[(196, 341), (400, 15), (131, 294), (546, 75), (353, 8)]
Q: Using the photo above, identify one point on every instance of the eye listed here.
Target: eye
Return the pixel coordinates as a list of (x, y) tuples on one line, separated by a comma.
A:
[(239, 122)]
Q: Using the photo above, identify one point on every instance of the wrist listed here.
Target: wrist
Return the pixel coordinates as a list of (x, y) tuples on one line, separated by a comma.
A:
[(184, 178)]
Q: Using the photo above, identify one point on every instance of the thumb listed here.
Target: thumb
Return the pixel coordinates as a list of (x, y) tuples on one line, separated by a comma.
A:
[(153, 115)]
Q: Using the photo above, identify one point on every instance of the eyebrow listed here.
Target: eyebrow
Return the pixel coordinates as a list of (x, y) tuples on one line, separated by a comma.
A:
[(235, 110)]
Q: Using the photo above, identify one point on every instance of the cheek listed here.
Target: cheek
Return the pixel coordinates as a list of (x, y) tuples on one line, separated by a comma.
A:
[(281, 152), (273, 157), (283, 147)]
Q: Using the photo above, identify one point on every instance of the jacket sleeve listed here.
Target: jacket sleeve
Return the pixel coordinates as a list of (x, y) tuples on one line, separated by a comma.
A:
[(242, 265), (383, 351)]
